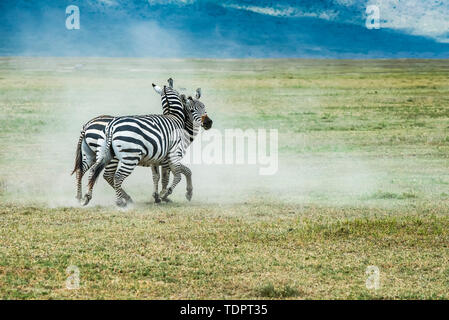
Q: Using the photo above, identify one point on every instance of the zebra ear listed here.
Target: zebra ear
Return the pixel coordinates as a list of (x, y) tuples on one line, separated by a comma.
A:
[(157, 88), (198, 93), (170, 82)]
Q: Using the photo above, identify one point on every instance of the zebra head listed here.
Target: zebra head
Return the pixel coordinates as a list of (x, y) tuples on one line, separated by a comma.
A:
[(197, 110)]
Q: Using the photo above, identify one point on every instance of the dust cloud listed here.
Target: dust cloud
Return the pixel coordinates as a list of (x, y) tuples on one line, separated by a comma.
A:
[(80, 89)]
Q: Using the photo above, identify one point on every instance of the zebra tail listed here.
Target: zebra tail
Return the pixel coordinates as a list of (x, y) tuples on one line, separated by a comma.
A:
[(96, 173), (104, 156), (79, 157)]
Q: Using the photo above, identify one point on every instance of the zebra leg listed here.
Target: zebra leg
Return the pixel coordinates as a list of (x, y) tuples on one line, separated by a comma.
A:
[(165, 180), (88, 195), (109, 171), (156, 176), (93, 175), (87, 160), (166, 177), (79, 179), (175, 168), (108, 175), (123, 171), (188, 174)]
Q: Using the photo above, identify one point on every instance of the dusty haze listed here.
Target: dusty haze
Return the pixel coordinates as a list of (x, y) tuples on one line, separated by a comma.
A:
[(66, 93)]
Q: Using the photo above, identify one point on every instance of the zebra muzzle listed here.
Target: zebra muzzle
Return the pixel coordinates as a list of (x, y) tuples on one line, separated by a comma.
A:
[(206, 121)]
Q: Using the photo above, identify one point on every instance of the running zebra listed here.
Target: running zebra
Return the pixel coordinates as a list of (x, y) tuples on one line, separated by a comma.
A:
[(171, 100), (89, 140), (190, 131), (148, 141)]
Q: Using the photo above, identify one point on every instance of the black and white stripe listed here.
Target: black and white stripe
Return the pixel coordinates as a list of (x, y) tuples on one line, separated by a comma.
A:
[(148, 141), (88, 143), (91, 135)]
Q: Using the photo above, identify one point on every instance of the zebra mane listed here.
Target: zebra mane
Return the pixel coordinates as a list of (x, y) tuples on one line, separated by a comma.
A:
[(172, 104)]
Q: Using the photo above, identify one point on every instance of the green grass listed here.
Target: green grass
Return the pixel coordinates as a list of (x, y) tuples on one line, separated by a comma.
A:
[(392, 195), (363, 181), (196, 252), (269, 291)]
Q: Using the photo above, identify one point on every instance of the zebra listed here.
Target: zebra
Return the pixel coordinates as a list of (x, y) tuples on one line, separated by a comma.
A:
[(170, 100), (88, 142), (86, 148), (190, 132), (150, 140)]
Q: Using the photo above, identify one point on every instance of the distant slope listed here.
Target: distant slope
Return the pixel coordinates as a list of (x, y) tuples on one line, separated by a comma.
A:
[(197, 29)]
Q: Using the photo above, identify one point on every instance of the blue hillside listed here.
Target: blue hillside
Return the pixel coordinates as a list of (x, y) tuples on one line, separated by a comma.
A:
[(216, 29)]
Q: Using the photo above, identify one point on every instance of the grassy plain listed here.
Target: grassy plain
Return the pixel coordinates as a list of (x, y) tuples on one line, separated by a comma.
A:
[(362, 181)]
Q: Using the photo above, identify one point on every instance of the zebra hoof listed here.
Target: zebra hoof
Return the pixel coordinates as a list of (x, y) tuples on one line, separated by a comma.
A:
[(156, 197), (121, 203), (86, 199), (189, 195), (166, 194)]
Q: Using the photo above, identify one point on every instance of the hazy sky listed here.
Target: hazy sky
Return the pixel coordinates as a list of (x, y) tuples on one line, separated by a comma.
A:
[(227, 28)]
